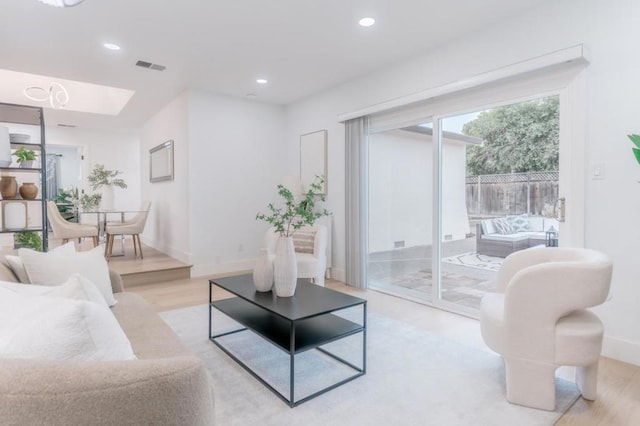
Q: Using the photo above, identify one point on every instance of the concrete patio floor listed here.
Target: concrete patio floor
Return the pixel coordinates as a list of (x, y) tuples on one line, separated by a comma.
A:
[(408, 270)]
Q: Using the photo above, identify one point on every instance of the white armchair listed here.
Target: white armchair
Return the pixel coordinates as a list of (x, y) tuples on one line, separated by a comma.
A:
[(310, 265), (538, 320)]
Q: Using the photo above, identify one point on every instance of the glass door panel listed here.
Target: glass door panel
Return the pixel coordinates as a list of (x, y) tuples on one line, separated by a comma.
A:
[(500, 182), (400, 255)]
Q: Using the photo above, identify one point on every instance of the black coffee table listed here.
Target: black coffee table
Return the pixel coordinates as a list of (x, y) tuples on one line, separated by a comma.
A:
[(293, 324)]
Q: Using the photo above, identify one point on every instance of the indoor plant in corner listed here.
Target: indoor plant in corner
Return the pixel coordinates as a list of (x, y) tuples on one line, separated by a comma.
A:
[(286, 220), (101, 178)]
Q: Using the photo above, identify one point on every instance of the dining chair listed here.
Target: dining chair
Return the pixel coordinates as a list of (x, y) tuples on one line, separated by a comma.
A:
[(66, 230), (133, 227)]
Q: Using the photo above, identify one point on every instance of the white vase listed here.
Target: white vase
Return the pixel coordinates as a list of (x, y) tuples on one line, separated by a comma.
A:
[(263, 272), (5, 147), (106, 202), (285, 270)]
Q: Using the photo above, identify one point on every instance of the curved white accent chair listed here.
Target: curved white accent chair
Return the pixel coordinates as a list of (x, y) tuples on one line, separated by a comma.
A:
[(539, 320), (66, 230), (310, 265), (133, 227)]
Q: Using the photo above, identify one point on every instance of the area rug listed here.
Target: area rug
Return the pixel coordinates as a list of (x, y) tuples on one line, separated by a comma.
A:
[(475, 260), (413, 378)]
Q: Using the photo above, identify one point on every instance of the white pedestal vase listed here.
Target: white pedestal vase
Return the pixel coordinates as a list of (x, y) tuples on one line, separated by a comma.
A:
[(285, 270), (106, 203), (263, 272)]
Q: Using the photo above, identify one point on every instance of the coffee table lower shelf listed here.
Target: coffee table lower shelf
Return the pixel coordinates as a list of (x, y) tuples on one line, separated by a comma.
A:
[(292, 337)]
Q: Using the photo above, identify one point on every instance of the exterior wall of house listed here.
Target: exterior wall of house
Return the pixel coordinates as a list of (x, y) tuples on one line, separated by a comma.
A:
[(610, 32)]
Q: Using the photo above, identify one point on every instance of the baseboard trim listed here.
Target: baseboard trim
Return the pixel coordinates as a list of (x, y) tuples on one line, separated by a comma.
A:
[(621, 350), (177, 254), (205, 269)]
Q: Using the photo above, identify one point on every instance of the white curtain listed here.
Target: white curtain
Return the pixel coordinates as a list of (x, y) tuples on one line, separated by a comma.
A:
[(357, 176)]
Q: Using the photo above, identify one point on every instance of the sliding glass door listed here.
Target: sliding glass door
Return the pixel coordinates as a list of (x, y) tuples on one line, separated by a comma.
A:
[(401, 209)]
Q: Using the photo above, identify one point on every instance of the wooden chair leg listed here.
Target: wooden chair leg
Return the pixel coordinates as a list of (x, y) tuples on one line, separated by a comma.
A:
[(135, 246), (65, 240), (140, 246), (95, 241), (109, 246)]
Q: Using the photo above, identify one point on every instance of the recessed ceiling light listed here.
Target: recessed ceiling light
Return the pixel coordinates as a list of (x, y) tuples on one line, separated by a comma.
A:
[(251, 95), (111, 46), (367, 22), (261, 81)]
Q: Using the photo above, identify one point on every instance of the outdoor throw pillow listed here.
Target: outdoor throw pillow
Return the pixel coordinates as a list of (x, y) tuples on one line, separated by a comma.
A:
[(487, 227), (303, 240), (502, 226), (519, 223)]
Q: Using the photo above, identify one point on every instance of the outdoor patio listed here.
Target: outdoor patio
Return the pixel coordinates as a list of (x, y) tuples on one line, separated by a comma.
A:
[(466, 277)]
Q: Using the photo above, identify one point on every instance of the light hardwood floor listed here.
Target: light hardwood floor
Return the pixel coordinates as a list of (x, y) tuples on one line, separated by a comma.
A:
[(618, 402)]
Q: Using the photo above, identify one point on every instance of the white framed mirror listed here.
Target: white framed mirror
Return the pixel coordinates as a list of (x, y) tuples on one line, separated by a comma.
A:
[(161, 162), (313, 159)]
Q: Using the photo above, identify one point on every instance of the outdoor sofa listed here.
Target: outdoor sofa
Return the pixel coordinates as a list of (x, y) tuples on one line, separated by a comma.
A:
[(500, 237)]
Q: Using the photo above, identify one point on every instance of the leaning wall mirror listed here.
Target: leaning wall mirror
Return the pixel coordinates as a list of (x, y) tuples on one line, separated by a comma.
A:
[(161, 162), (313, 159)]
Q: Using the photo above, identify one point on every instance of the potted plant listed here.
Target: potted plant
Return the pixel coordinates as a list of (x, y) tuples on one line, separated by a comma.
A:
[(101, 178), (29, 239), (25, 157), (636, 150), (286, 220)]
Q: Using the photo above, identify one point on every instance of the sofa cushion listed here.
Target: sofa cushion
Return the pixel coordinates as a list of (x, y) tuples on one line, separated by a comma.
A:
[(76, 287), (15, 263), (536, 223), (54, 268), (502, 226), (488, 227), (519, 223), (521, 236), (59, 329)]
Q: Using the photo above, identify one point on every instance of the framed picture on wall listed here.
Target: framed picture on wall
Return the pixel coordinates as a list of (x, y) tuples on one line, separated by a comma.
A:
[(313, 159), (161, 162)]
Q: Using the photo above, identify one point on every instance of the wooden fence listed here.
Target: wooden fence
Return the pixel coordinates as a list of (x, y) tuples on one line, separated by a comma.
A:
[(515, 193)]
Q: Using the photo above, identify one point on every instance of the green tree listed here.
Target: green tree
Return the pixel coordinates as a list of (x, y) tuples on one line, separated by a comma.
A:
[(518, 138)]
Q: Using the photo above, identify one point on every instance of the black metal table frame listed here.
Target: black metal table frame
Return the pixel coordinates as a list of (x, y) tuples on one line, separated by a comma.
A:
[(360, 371)]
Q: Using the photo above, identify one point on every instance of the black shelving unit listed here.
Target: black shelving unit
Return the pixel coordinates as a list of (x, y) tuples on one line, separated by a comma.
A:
[(12, 115)]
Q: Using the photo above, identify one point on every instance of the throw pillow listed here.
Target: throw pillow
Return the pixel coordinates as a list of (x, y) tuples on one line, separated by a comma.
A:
[(59, 329), (519, 223), (54, 268), (76, 287), (502, 226), (18, 268), (487, 227), (303, 240)]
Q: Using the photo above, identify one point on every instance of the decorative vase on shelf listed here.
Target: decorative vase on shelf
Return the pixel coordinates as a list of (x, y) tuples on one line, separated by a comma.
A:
[(5, 147), (263, 272), (106, 203), (28, 191), (8, 187), (15, 215), (285, 270)]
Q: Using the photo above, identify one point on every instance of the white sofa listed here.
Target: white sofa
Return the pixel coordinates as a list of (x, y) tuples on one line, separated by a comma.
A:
[(530, 232)]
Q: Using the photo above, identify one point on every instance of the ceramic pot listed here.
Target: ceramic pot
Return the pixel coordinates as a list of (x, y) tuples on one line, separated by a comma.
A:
[(28, 191), (285, 269), (8, 187), (263, 272), (26, 164)]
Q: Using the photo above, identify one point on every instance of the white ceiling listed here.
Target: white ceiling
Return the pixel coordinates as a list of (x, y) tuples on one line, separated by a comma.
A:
[(300, 46)]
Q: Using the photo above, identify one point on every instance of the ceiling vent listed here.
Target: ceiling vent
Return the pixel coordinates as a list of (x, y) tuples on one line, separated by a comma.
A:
[(66, 125), (151, 66)]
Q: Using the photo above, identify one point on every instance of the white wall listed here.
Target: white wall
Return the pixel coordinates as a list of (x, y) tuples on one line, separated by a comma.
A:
[(167, 227), (237, 157), (611, 33), (116, 150)]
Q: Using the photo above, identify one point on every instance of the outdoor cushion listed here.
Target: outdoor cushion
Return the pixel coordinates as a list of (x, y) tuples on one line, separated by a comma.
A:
[(519, 223), (521, 236), (487, 227), (536, 223), (502, 226)]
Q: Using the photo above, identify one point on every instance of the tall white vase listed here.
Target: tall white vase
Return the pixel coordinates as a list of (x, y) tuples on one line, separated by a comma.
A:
[(5, 147), (106, 203), (263, 271), (285, 270)]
